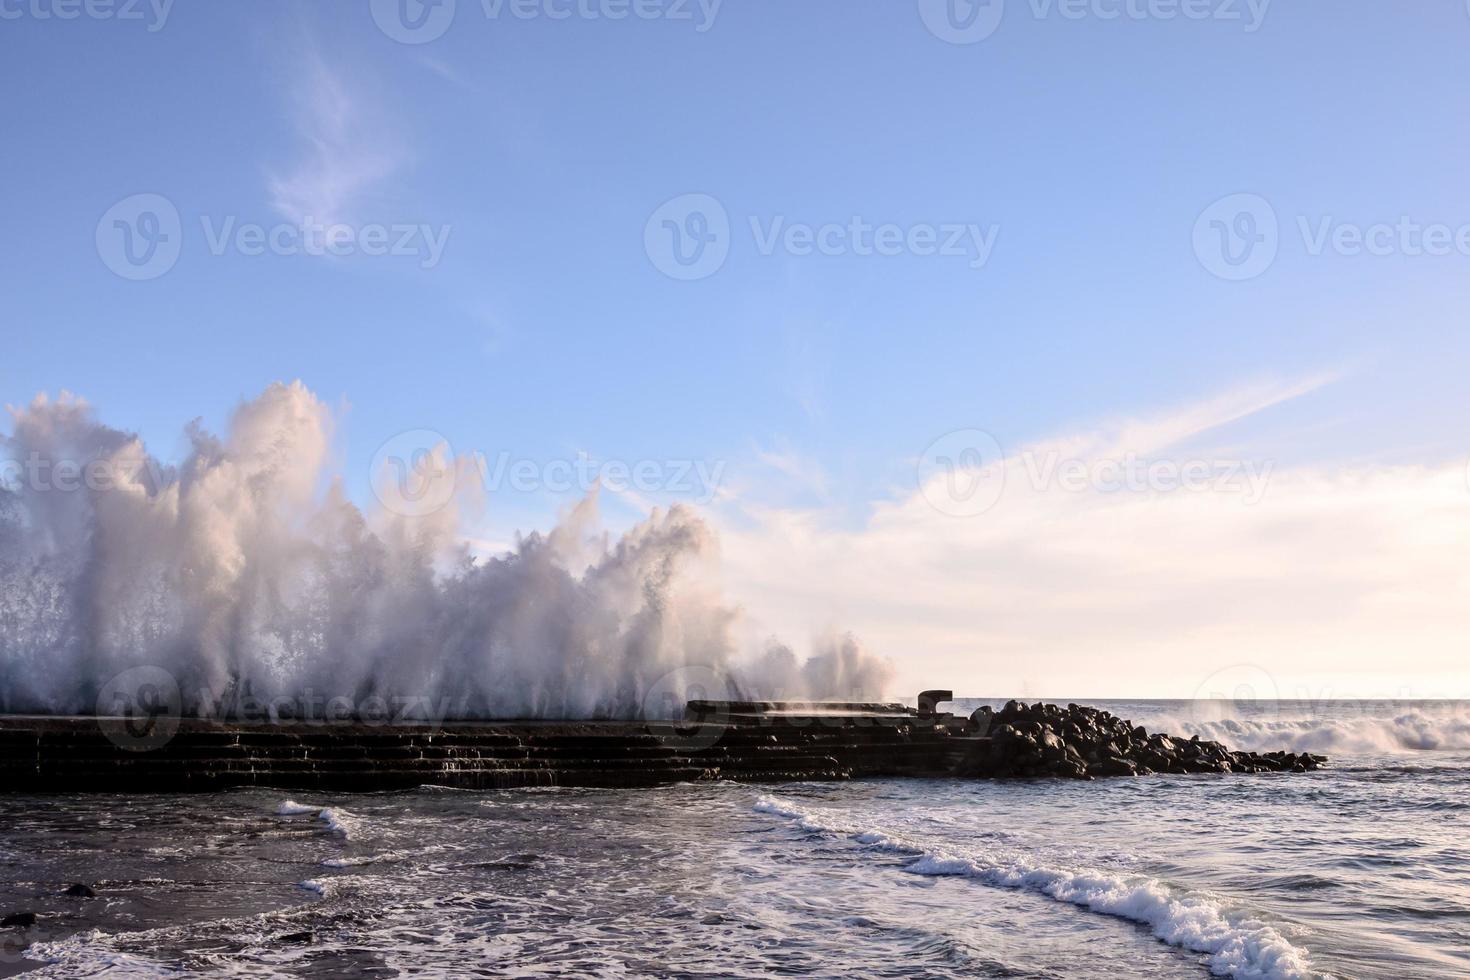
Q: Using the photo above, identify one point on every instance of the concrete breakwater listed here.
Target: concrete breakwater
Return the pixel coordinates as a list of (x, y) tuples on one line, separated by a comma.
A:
[(743, 741)]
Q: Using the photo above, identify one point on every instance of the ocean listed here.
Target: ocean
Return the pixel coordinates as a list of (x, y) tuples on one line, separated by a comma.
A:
[(1361, 870)]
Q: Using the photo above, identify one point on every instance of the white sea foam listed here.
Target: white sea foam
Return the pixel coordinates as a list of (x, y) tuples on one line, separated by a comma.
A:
[(360, 860), (338, 820), (89, 953), (290, 808), (95, 953), (1236, 944), (1411, 730)]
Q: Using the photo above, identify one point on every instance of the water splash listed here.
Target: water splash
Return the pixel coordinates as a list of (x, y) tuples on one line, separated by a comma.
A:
[(246, 568)]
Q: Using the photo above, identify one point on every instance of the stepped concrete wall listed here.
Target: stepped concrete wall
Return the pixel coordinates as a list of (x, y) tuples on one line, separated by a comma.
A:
[(92, 754)]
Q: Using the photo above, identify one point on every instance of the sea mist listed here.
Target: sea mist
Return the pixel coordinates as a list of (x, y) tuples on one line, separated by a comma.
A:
[(245, 568)]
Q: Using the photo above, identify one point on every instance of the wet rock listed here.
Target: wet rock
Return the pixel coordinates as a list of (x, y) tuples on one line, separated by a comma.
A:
[(1053, 749), (80, 891), (1112, 766), (1082, 743), (296, 937), (1072, 769), (19, 920)]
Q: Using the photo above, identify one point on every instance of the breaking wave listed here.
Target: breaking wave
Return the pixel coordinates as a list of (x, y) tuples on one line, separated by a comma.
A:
[(1235, 943), (246, 570), (1429, 728)]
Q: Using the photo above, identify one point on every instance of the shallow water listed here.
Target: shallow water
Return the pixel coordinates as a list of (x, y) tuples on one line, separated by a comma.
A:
[(1361, 870)]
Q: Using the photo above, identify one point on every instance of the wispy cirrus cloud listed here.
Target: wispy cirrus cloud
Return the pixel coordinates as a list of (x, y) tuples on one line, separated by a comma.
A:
[(347, 148)]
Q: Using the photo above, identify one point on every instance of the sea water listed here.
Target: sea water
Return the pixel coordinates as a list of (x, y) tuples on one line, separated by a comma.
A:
[(1360, 870)]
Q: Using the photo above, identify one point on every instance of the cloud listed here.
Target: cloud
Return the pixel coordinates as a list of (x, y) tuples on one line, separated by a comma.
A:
[(800, 471), (1341, 579), (347, 150)]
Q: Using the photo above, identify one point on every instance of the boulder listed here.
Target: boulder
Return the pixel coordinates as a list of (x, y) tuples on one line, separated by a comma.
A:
[(1070, 769), (1112, 766), (1079, 742), (1053, 749)]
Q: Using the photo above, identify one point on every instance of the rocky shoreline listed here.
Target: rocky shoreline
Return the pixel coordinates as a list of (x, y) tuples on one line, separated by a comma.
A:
[(1079, 742)]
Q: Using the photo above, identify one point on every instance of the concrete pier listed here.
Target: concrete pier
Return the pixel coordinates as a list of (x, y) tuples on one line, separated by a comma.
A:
[(73, 754), (730, 740)]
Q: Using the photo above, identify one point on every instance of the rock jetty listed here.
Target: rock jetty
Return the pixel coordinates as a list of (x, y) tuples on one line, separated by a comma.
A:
[(1079, 742)]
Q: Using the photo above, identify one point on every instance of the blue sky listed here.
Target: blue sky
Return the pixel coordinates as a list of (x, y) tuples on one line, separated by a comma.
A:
[(542, 147)]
